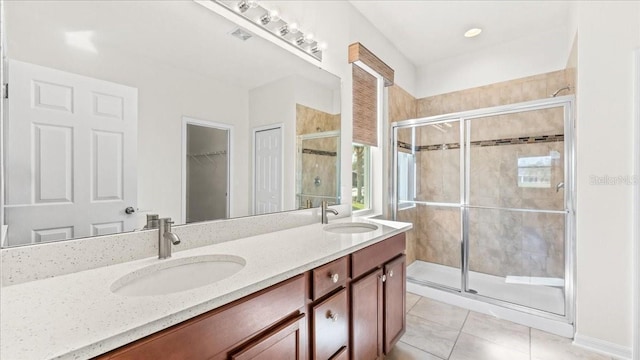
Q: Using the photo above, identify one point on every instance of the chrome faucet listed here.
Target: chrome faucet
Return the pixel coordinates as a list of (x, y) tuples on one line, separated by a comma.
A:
[(166, 238), (324, 210)]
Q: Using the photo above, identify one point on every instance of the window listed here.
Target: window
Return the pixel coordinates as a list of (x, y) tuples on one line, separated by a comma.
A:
[(360, 183), (406, 180), (370, 75)]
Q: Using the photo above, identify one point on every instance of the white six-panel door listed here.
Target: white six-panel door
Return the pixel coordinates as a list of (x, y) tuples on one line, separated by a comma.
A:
[(268, 170), (71, 155)]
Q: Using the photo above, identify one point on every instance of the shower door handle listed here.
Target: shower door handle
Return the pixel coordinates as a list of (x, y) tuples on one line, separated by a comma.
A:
[(559, 186)]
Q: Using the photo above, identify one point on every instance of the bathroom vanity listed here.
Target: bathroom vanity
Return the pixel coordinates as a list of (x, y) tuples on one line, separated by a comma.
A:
[(309, 292), (307, 314)]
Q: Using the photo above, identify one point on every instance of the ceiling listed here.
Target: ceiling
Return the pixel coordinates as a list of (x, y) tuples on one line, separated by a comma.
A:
[(428, 31), (180, 34)]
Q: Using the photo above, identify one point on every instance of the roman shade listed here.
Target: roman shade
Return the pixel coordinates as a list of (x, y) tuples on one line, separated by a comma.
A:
[(365, 93)]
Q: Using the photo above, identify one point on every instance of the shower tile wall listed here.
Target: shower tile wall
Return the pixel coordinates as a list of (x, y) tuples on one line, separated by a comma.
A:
[(501, 242), (508, 92), (320, 160), (309, 120)]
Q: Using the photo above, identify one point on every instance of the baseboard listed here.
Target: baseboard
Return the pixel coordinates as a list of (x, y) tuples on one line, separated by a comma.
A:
[(603, 347)]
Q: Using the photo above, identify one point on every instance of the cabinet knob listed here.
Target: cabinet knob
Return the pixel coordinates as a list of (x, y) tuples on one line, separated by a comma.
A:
[(390, 273), (333, 316), (334, 278), (383, 277)]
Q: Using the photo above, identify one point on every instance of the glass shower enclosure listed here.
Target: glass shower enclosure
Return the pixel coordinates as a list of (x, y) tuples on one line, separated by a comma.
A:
[(490, 194)]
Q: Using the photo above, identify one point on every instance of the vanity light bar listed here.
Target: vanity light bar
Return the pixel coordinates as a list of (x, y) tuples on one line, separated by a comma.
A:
[(271, 20)]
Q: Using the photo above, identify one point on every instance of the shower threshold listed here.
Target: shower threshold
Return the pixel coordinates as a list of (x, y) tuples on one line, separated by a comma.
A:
[(546, 298)]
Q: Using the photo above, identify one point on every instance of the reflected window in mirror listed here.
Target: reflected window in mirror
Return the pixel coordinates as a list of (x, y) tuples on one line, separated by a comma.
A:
[(361, 178)]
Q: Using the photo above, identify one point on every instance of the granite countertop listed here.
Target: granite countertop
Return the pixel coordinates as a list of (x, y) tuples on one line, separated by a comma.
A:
[(76, 316)]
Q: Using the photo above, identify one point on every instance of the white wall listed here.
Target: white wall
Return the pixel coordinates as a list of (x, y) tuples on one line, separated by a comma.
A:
[(608, 32), (536, 54)]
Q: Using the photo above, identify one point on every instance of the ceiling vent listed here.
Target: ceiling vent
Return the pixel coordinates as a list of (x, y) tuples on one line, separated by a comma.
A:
[(241, 34)]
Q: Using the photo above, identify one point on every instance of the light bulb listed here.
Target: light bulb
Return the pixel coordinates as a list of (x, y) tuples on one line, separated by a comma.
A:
[(274, 15), (243, 6), (293, 27), (322, 46), (308, 37)]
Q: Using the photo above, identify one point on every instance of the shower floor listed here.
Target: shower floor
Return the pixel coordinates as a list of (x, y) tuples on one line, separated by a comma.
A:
[(546, 298)]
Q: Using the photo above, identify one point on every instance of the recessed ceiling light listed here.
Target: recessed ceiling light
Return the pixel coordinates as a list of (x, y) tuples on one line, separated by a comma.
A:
[(472, 32)]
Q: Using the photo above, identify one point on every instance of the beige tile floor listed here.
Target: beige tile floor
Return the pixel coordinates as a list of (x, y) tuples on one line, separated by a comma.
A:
[(439, 331)]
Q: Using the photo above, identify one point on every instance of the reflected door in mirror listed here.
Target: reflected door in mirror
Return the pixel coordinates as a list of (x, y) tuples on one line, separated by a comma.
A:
[(70, 155), (268, 170)]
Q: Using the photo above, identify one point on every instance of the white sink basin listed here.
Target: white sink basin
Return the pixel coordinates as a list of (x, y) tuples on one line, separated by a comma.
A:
[(170, 276), (350, 228)]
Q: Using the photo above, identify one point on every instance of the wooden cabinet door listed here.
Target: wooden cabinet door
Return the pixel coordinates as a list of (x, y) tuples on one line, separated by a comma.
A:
[(366, 317), (394, 301), (282, 343)]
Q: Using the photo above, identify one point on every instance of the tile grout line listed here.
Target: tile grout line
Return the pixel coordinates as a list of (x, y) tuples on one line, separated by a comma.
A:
[(530, 345), (417, 348), (459, 333), (414, 304)]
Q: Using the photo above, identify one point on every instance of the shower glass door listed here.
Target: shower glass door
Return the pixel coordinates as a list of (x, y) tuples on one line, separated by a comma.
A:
[(516, 207), (489, 194), (428, 174)]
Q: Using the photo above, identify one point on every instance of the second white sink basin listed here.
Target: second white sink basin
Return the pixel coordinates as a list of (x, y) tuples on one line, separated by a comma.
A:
[(170, 276), (350, 228)]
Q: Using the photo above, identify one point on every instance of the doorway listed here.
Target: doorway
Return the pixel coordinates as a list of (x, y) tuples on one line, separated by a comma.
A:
[(206, 170)]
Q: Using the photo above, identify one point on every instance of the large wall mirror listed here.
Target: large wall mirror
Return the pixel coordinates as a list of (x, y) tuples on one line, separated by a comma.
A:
[(122, 109)]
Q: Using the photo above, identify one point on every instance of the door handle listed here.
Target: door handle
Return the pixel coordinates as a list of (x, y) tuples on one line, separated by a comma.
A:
[(559, 186), (129, 210)]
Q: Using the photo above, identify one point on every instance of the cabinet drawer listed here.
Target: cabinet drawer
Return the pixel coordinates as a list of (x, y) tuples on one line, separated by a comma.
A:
[(375, 255), (330, 331), (212, 333), (330, 277), (283, 342)]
